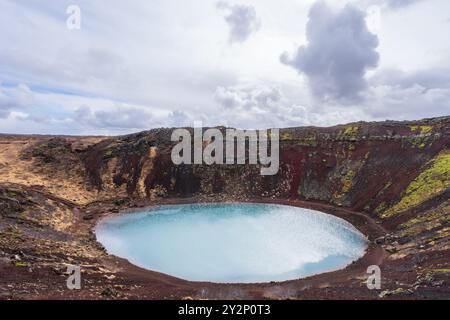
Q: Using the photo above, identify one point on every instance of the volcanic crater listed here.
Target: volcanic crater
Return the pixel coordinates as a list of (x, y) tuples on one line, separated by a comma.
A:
[(391, 180)]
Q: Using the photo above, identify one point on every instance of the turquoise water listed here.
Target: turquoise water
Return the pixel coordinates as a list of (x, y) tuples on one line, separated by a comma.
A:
[(233, 242)]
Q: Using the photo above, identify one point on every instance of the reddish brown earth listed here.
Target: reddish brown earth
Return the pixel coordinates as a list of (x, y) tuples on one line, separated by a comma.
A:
[(390, 179)]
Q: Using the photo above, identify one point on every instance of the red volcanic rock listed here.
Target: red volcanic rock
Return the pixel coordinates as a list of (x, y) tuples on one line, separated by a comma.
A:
[(389, 179)]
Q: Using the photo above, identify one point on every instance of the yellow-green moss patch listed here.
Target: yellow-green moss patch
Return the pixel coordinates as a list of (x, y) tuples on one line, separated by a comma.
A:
[(444, 270), (349, 133), (22, 264), (286, 136), (381, 207), (432, 181), (351, 130), (422, 129), (347, 182), (439, 215)]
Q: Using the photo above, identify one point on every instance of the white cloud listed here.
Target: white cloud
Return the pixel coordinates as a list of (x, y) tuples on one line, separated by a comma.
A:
[(409, 95), (167, 63), (247, 98), (340, 50), (117, 118), (268, 106), (395, 4), (14, 98), (241, 19)]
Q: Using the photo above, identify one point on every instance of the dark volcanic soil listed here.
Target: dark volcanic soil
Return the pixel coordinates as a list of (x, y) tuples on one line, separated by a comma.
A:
[(391, 180)]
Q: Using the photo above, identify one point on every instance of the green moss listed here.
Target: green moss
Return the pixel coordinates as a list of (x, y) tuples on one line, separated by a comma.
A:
[(349, 133), (347, 181), (443, 270), (421, 142), (11, 193), (438, 216), (386, 186), (422, 129), (286, 136), (381, 207), (351, 130), (347, 184), (432, 181), (21, 264), (308, 139)]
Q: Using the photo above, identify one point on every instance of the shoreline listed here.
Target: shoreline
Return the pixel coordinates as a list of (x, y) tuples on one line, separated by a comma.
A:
[(152, 207), (374, 253)]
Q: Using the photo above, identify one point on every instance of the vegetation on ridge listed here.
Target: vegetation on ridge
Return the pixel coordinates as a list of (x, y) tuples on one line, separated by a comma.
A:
[(432, 181)]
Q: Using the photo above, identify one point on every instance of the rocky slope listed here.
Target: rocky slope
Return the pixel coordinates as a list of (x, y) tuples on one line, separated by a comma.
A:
[(396, 175)]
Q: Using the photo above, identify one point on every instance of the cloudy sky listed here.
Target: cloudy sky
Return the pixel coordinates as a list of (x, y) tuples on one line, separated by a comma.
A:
[(140, 64)]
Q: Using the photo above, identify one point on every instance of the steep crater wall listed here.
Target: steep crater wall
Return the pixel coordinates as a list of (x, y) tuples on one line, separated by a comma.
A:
[(364, 166)]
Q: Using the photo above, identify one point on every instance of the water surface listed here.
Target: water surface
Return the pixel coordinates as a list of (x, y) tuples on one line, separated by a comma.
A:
[(233, 242)]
